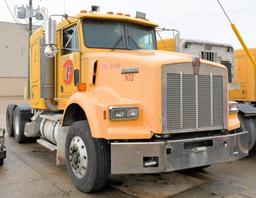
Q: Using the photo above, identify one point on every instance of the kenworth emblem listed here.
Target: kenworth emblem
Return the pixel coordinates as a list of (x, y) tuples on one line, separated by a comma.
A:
[(196, 65), (130, 70)]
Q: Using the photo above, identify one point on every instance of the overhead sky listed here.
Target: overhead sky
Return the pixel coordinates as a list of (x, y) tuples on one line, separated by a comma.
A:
[(195, 19)]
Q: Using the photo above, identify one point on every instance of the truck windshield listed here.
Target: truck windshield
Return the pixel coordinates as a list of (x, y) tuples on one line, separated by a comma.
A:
[(118, 35)]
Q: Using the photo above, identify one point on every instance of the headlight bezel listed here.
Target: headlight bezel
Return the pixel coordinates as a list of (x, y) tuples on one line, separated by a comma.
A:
[(127, 110)]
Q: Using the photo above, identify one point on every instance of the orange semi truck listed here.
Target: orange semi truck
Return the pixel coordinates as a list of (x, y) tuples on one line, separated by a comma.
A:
[(245, 93), (108, 102)]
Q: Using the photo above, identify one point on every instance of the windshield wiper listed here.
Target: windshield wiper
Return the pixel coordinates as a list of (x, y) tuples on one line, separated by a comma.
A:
[(133, 41), (130, 39), (118, 41)]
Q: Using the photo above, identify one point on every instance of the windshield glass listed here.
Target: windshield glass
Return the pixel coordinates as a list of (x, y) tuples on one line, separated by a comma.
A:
[(118, 35)]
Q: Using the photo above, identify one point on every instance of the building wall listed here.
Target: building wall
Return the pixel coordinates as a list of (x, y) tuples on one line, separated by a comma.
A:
[(13, 59), (12, 87)]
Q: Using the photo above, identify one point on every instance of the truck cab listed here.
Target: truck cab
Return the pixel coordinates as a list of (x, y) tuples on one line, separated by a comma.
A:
[(108, 102)]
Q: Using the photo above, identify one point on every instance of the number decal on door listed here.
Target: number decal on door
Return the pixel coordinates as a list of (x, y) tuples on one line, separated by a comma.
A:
[(129, 77)]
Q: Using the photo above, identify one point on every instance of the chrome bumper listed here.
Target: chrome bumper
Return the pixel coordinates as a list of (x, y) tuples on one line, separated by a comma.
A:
[(166, 156)]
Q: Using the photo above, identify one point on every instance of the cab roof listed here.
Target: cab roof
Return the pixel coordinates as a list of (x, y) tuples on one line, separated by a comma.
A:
[(106, 16)]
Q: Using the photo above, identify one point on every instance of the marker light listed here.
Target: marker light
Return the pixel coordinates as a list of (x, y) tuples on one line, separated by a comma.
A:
[(233, 107)]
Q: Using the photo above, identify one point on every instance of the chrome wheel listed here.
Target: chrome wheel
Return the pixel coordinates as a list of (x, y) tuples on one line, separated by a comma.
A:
[(78, 157)]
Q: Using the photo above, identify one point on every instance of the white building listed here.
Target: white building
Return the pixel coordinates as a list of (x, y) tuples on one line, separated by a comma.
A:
[(13, 59)]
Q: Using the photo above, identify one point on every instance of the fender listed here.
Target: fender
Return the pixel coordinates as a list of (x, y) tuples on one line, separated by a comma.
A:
[(247, 109), (93, 106), (82, 106)]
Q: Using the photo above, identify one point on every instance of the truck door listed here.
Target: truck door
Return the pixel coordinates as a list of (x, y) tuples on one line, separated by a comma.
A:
[(69, 64)]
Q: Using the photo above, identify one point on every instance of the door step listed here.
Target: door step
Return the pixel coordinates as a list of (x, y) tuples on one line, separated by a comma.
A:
[(47, 145)]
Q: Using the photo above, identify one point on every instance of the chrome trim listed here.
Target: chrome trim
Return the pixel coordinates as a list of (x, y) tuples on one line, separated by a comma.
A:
[(196, 92), (186, 68), (211, 85), (210, 128), (164, 101), (172, 155), (181, 100)]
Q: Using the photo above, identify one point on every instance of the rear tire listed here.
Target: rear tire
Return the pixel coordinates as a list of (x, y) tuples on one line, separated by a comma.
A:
[(9, 120), (88, 159), (20, 117)]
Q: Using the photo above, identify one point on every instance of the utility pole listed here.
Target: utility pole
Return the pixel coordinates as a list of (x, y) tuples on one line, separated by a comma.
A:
[(29, 13), (30, 23), (30, 30)]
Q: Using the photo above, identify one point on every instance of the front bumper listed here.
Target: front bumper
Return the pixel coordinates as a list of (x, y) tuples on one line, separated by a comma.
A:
[(172, 155)]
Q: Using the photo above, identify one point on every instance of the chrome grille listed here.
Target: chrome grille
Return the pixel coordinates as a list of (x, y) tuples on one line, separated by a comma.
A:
[(217, 101), (194, 102)]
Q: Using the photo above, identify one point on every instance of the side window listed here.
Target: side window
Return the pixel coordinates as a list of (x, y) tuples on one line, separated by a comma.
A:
[(70, 40)]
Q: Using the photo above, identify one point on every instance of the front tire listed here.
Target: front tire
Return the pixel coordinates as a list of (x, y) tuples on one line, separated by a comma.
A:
[(88, 159), (1, 162)]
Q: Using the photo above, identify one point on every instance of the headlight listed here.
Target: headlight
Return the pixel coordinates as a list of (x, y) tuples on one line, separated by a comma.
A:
[(233, 107), (123, 113)]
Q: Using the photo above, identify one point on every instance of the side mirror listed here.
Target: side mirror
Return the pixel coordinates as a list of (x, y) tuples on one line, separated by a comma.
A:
[(50, 38)]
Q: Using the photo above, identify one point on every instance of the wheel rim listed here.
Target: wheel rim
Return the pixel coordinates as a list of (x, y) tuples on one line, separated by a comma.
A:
[(78, 157), (16, 125)]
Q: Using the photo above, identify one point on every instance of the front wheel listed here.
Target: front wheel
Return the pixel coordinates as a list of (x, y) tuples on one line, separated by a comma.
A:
[(88, 159), (1, 162)]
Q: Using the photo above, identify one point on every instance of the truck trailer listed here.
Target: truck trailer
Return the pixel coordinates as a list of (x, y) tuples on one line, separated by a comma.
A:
[(108, 102), (245, 93)]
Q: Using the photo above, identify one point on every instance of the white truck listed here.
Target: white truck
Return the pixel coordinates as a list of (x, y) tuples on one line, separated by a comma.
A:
[(169, 40)]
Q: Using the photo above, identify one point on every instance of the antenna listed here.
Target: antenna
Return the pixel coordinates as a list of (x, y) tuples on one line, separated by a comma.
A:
[(224, 12), (239, 37), (65, 11)]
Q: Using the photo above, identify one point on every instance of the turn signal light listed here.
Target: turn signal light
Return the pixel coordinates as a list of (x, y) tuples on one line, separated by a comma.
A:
[(81, 87)]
